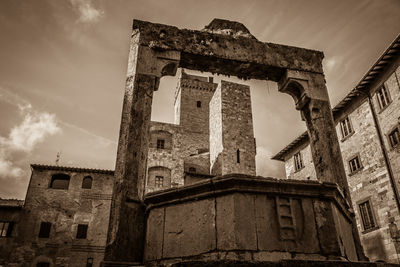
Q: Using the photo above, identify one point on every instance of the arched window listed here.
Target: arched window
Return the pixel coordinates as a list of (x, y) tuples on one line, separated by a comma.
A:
[(59, 181), (87, 182), (238, 156)]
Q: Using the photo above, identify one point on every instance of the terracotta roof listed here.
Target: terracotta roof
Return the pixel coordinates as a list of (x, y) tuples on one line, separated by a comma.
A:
[(391, 53), (11, 203), (70, 169)]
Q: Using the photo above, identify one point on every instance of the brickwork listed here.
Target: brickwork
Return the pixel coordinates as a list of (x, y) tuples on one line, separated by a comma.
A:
[(236, 137), (64, 209)]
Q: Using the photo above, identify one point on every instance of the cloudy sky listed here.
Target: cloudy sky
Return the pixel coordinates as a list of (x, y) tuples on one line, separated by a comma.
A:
[(63, 66)]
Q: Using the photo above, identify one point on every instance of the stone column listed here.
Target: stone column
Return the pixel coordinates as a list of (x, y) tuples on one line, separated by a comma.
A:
[(311, 97), (125, 241)]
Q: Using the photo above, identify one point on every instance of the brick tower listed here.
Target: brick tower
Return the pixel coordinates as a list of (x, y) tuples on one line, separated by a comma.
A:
[(232, 144)]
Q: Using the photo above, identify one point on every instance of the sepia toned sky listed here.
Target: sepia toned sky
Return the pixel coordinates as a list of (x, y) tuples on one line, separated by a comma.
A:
[(63, 66)]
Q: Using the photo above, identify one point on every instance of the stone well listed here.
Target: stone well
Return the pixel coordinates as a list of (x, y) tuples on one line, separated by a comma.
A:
[(248, 218)]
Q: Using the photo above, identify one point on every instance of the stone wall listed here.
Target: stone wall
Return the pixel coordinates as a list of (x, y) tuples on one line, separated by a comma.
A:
[(389, 118), (237, 138), (64, 209), (9, 212), (238, 217)]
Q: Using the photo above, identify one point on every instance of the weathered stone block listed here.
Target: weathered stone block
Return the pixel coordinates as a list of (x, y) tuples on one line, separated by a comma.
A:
[(236, 227), (189, 229), (154, 239)]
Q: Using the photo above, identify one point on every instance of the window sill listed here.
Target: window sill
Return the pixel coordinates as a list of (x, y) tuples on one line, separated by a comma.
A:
[(370, 230), (347, 137), (356, 171)]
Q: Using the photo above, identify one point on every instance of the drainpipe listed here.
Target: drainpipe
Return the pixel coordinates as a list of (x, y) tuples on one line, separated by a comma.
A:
[(384, 152)]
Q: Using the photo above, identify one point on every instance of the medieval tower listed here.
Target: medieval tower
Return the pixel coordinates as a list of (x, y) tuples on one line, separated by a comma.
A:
[(212, 134)]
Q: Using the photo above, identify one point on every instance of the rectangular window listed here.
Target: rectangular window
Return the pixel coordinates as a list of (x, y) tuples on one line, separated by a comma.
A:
[(355, 164), (160, 143), (6, 229), (81, 232), (367, 216), (298, 162), (159, 181), (383, 97), (394, 137), (346, 128), (44, 231)]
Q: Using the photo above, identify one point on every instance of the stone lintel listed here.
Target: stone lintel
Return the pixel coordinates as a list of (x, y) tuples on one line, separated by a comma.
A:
[(229, 54)]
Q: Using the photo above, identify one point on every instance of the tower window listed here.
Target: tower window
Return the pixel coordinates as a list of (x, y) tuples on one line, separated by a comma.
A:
[(6, 228), (44, 231), (59, 181), (87, 182), (346, 128), (355, 164), (383, 97), (199, 104), (81, 233), (238, 156), (367, 216), (159, 181), (394, 137), (298, 161), (160, 143)]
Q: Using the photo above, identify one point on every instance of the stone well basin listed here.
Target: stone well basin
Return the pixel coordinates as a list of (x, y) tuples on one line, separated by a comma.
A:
[(239, 217)]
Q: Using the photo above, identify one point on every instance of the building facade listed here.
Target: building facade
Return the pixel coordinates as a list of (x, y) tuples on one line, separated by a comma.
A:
[(63, 220), (367, 126)]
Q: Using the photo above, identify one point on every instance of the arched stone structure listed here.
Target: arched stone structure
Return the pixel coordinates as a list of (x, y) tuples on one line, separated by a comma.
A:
[(223, 47)]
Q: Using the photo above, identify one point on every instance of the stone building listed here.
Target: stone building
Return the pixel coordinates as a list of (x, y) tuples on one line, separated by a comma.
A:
[(213, 124), (368, 125), (62, 222)]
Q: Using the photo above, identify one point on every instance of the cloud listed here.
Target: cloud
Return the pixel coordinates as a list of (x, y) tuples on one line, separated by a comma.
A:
[(7, 168), (33, 129), (267, 167), (87, 12)]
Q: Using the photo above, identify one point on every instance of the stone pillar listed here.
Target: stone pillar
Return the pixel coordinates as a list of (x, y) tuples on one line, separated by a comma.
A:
[(311, 97), (125, 241)]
